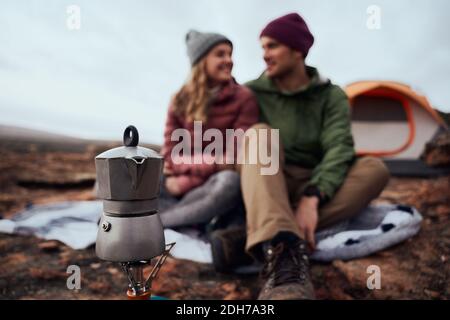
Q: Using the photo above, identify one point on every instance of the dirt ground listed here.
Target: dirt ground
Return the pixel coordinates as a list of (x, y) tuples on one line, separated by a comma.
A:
[(31, 268)]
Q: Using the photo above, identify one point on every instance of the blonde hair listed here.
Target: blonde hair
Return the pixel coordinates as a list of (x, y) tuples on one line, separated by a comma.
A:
[(192, 100)]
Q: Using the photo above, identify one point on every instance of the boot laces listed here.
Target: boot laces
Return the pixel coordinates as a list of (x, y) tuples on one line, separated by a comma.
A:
[(286, 264)]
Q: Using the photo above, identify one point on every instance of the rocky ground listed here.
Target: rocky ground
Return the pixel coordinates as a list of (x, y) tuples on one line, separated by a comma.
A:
[(31, 268)]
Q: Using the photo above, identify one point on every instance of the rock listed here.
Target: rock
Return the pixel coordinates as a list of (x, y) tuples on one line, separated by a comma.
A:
[(229, 287), (49, 246), (443, 210), (99, 286), (65, 257), (239, 295), (437, 151), (113, 271), (47, 274), (96, 265), (355, 273), (13, 261), (431, 293), (235, 291)]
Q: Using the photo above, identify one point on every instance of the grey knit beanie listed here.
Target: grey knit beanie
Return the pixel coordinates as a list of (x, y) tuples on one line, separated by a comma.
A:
[(199, 43)]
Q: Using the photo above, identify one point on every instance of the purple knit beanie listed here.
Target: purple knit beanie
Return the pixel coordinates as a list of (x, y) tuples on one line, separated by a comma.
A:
[(292, 31)]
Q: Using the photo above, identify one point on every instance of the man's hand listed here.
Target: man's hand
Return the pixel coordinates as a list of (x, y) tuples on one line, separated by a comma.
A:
[(172, 186), (307, 217)]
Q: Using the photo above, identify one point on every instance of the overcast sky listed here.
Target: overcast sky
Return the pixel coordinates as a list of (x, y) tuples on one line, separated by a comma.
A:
[(127, 59)]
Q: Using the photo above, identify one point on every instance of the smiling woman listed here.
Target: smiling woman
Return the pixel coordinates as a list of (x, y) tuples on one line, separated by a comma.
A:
[(210, 56), (195, 193)]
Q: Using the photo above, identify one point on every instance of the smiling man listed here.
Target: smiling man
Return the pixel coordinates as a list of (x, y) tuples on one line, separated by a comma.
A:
[(320, 181)]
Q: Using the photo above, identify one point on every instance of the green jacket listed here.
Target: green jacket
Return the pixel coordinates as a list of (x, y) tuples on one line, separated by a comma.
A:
[(314, 124)]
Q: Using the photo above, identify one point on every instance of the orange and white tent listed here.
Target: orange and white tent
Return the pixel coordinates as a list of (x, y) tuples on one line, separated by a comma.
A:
[(390, 120)]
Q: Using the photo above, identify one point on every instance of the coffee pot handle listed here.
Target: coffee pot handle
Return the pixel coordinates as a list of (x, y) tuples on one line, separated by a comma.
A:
[(131, 136)]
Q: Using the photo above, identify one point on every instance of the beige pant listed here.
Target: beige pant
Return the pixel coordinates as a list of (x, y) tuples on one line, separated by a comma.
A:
[(270, 200)]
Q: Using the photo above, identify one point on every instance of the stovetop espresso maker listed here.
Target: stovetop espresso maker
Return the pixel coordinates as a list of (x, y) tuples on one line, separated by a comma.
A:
[(130, 230)]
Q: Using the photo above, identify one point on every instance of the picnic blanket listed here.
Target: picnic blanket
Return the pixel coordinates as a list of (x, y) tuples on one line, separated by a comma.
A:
[(75, 224)]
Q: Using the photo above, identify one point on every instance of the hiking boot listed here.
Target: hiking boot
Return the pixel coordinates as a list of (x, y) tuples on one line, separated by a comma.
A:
[(286, 271), (228, 248)]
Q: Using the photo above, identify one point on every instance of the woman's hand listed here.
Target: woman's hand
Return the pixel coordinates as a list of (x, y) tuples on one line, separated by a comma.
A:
[(307, 217), (172, 186), (167, 170)]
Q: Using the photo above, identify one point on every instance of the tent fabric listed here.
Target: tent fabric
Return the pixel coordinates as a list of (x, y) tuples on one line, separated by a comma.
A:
[(414, 168), (358, 88), (390, 120)]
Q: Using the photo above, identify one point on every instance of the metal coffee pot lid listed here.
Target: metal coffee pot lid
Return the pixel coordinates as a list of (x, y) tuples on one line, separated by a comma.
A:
[(130, 150)]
